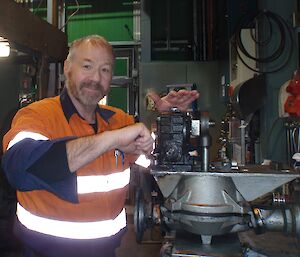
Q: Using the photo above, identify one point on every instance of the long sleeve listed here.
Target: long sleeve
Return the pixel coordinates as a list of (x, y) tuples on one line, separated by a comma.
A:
[(40, 164)]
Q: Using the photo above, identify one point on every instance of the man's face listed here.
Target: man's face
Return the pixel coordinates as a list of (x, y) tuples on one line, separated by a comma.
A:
[(89, 74)]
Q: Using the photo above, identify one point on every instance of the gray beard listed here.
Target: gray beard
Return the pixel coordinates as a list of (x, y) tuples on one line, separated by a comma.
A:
[(87, 99)]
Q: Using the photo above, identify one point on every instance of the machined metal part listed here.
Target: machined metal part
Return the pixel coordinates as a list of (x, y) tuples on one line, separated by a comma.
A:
[(283, 219), (216, 203), (206, 205), (174, 131), (209, 200), (252, 181)]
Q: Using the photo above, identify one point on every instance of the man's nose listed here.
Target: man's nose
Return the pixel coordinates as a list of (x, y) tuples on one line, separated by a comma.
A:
[(97, 75)]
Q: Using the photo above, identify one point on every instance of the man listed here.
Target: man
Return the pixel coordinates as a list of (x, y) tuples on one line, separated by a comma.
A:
[(61, 154)]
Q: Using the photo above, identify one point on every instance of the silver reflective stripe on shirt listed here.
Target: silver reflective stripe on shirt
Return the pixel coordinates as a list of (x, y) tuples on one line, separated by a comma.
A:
[(71, 230), (102, 183), (26, 134)]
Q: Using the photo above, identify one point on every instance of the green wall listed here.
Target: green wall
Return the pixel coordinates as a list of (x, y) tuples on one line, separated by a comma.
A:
[(106, 18), (118, 95)]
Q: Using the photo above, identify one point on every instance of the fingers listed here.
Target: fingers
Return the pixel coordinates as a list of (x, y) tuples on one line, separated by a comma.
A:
[(144, 150), (180, 99), (135, 139), (184, 98), (145, 145), (173, 93), (186, 93), (182, 94), (144, 142)]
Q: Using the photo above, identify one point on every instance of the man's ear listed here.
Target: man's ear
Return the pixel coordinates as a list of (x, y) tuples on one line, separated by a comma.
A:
[(67, 66)]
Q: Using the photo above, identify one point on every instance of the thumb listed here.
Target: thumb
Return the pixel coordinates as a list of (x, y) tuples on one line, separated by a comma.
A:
[(154, 96)]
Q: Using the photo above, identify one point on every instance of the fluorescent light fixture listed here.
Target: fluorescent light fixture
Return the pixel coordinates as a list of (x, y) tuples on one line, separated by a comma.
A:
[(4, 47)]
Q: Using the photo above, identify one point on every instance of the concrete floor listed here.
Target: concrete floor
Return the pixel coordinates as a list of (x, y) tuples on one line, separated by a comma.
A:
[(271, 244), (130, 248)]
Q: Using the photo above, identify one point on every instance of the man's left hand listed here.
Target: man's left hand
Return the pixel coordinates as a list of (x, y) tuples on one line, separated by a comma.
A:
[(180, 99)]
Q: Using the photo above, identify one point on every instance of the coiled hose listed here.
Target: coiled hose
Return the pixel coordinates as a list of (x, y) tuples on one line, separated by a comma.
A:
[(283, 50)]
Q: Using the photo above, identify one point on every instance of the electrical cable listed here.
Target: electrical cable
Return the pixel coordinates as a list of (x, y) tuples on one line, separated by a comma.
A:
[(284, 30), (76, 11), (129, 31), (268, 39), (275, 54)]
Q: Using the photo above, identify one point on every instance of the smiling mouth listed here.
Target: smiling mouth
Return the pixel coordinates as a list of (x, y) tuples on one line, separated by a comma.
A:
[(91, 89)]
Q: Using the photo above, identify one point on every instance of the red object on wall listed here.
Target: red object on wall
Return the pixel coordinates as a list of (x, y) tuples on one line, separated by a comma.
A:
[(292, 104), (294, 85)]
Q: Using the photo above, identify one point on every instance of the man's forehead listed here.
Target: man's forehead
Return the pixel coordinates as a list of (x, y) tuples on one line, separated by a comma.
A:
[(89, 52)]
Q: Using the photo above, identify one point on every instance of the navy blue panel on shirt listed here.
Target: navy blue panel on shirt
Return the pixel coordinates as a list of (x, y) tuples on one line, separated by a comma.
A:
[(27, 153), (52, 166)]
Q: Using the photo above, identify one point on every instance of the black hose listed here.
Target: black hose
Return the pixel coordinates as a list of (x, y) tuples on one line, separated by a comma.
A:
[(268, 39), (285, 41)]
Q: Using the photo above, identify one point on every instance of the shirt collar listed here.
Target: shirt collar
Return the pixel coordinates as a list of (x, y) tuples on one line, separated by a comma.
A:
[(69, 108)]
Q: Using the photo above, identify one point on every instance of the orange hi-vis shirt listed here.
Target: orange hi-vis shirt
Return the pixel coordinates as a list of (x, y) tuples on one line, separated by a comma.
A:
[(56, 120)]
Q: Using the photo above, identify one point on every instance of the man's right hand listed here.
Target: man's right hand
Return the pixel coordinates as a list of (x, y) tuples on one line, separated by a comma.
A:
[(135, 139)]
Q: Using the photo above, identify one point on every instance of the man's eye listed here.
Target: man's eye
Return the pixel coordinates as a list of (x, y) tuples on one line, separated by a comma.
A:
[(87, 66), (107, 70)]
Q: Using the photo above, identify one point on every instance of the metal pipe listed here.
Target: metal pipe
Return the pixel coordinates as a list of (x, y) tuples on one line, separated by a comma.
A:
[(243, 142), (203, 31), (136, 21), (288, 144), (168, 27), (195, 30), (55, 13), (52, 12), (205, 142), (286, 220)]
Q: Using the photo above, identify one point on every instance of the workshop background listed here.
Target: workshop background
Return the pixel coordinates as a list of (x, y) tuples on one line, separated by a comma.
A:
[(210, 45)]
